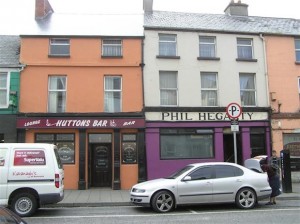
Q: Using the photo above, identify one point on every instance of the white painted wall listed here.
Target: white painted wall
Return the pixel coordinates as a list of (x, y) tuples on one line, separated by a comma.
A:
[(189, 68)]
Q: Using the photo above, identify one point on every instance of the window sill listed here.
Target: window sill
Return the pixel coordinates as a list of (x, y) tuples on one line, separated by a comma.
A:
[(59, 56), (168, 57), (297, 62), (208, 58), (118, 57), (246, 60)]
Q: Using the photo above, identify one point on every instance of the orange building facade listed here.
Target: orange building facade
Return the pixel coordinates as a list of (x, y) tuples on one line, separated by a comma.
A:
[(283, 62), (85, 95)]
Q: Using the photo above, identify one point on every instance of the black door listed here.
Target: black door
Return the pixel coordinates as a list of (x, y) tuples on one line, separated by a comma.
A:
[(101, 171), (229, 148)]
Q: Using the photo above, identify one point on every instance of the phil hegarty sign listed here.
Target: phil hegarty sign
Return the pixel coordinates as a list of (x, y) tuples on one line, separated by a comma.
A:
[(203, 116), (79, 123)]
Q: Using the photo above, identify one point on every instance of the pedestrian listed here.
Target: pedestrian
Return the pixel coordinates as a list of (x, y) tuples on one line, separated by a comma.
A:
[(275, 162), (274, 182)]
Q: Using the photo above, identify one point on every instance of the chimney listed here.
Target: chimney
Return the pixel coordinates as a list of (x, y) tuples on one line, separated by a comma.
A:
[(236, 9), (148, 5), (42, 9)]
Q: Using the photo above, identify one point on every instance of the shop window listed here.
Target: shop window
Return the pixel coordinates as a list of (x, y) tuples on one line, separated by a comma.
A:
[(129, 149), (258, 142), (186, 143), (65, 144), (1, 138)]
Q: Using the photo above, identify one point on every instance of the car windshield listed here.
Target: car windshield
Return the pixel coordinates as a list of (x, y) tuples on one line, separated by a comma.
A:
[(179, 172)]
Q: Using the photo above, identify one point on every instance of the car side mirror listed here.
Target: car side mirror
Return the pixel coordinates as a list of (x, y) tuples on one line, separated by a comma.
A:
[(187, 178)]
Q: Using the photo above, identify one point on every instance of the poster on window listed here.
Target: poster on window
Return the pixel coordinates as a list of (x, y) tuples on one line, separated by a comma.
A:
[(129, 155), (66, 152)]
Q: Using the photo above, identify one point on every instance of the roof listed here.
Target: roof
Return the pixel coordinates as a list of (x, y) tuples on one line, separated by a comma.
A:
[(221, 23), (9, 51), (56, 24)]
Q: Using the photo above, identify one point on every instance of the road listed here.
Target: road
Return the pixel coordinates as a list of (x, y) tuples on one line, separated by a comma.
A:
[(284, 212)]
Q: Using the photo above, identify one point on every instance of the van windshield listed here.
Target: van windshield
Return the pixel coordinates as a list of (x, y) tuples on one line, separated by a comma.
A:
[(60, 166)]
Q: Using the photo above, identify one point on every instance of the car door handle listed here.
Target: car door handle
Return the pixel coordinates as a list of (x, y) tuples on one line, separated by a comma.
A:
[(238, 180)]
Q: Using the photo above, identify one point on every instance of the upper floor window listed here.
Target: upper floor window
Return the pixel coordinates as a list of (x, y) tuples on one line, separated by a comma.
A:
[(112, 93), (207, 47), (59, 47), (209, 89), (168, 88), (245, 48), (247, 89), (4, 89), (297, 49), (167, 45), (57, 87), (112, 48)]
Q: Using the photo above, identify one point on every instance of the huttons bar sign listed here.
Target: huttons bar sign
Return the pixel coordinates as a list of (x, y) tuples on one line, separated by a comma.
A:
[(28, 123)]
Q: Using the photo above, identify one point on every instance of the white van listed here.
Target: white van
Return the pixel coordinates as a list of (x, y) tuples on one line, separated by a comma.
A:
[(31, 175)]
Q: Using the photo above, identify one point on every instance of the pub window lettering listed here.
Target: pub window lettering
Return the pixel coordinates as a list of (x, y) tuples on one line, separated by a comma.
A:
[(65, 144)]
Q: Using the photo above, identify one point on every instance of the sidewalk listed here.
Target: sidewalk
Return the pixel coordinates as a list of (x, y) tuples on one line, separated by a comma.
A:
[(108, 197)]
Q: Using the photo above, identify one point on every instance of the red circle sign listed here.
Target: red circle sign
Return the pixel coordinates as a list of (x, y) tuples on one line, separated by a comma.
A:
[(234, 110)]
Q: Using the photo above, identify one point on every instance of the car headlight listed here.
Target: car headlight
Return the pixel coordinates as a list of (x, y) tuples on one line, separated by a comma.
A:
[(136, 190)]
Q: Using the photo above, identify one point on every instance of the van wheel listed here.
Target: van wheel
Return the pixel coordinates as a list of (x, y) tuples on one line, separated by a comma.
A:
[(24, 204)]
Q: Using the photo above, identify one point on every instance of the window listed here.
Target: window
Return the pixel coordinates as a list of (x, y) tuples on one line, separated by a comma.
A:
[(168, 88), (4, 89), (247, 88), (167, 45), (59, 47), (57, 94), (224, 171), (113, 90), (186, 143), (65, 144), (112, 48), (244, 48), (297, 47), (209, 89), (207, 47), (203, 173)]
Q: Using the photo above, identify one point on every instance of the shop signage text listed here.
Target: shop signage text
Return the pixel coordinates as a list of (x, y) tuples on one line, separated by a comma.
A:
[(79, 123), (203, 116)]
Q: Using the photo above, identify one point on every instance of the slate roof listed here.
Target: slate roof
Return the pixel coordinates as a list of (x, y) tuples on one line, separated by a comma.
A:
[(221, 23), (9, 51)]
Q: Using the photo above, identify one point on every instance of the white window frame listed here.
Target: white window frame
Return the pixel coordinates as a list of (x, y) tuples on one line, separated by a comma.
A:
[(51, 108), (5, 88), (297, 49), (245, 46), (115, 49), (209, 89), (109, 106), (204, 44), (168, 92), (242, 90), (166, 44), (61, 44)]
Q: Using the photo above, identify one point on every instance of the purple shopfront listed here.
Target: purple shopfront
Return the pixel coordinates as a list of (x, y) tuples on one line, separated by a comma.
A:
[(175, 139)]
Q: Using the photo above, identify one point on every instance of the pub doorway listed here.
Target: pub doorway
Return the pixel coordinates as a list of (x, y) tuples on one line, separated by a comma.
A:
[(100, 160)]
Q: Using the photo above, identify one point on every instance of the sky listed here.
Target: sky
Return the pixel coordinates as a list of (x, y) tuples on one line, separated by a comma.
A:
[(15, 14)]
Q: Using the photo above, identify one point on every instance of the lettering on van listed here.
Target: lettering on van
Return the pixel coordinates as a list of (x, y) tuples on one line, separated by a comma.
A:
[(29, 158)]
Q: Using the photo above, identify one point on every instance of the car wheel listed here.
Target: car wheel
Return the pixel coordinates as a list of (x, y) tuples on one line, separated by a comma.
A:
[(162, 201), (24, 204), (245, 198)]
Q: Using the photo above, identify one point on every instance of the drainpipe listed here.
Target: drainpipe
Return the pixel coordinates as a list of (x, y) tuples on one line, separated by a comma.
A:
[(267, 86)]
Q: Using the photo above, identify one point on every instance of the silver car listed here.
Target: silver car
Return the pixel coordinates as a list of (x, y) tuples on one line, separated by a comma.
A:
[(203, 183)]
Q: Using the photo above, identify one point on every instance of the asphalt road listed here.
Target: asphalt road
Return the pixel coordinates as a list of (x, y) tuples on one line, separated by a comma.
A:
[(285, 212)]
